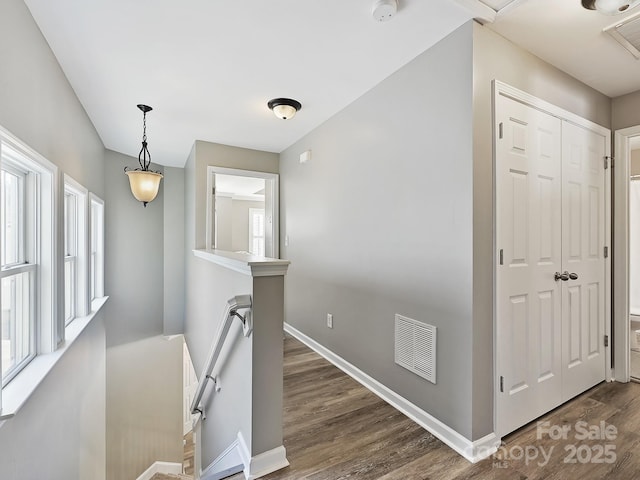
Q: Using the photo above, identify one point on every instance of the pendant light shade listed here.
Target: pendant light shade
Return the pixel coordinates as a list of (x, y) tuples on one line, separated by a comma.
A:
[(144, 183), (610, 7)]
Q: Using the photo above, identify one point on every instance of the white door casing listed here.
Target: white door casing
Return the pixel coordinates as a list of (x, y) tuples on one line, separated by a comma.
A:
[(551, 217), (621, 340)]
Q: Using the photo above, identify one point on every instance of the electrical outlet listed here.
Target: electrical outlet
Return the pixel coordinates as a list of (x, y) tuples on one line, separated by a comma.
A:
[(329, 320)]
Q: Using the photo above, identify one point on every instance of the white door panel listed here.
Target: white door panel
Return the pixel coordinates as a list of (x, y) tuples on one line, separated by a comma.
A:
[(583, 254), (528, 173)]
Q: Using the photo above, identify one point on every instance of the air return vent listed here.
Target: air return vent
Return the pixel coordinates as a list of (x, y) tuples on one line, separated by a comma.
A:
[(415, 347), (627, 34)]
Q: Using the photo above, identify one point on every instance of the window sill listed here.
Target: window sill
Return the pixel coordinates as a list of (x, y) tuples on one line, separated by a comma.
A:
[(18, 391)]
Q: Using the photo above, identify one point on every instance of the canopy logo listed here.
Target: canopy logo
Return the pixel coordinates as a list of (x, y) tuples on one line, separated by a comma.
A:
[(590, 444)]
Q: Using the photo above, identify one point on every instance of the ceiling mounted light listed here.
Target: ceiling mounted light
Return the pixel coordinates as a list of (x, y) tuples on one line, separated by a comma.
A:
[(144, 182), (284, 108), (610, 7)]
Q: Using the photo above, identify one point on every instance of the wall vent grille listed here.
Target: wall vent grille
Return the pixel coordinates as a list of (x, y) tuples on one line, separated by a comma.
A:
[(415, 347), (627, 34)]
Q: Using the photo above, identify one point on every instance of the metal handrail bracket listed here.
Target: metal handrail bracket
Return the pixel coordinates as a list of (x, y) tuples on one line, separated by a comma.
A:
[(239, 302)]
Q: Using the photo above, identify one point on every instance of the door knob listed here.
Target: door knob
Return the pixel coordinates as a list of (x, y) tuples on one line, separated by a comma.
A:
[(573, 276), (561, 276)]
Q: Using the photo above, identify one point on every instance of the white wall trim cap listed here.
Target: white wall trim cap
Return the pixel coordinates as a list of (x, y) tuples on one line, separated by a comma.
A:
[(244, 263), (161, 467), (472, 451), (226, 464), (263, 463)]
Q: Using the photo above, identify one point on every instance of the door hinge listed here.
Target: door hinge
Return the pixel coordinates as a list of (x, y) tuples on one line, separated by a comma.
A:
[(213, 190), (501, 384), (606, 340), (501, 256), (500, 130), (606, 252), (608, 161)]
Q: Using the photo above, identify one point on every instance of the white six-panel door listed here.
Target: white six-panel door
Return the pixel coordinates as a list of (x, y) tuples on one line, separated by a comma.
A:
[(583, 233), (529, 235), (550, 274)]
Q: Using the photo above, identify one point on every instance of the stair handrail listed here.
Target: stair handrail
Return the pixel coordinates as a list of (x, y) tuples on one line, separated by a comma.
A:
[(239, 302)]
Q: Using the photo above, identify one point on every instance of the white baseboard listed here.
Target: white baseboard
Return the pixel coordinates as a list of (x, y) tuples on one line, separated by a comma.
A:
[(160, 467), (228, 463), (262, 464), (472, 451)]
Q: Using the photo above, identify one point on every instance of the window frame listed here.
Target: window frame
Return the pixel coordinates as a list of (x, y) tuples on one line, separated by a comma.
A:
[(96, 237), (70, 256), (25, 258), (40, 243), (22, 249), (52, 339), (77, 256), (253, 212)]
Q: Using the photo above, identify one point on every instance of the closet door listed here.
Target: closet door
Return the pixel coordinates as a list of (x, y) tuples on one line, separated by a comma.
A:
[(583, 222), (529, 237), (550, 277)]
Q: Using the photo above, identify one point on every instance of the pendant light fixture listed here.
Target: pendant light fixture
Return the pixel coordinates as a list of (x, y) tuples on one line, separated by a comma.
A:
[(610, 7), (144, 182), (284, 108)]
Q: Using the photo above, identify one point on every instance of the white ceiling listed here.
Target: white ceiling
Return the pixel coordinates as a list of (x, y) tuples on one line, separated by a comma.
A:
[(228, 185), (569, 37), (208, 67)]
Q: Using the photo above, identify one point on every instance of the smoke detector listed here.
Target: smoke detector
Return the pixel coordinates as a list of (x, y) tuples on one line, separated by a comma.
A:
[(384, 10), (610, 7)]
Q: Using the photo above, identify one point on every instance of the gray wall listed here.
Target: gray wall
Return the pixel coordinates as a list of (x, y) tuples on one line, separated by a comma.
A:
[(39, 106), (208, 287), (240, 226), (144, 405), (224, 223), (625, 111), (60, 433), (496, 58), (380, 222), (635, 162), (134, 271), (173, 250), (148, 426)]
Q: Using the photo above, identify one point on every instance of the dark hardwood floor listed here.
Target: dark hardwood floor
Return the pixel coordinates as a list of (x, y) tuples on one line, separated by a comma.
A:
[(335, 429)]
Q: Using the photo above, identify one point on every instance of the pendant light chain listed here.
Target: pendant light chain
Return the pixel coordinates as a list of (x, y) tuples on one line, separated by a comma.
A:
[(144, 152), (144, 126), (144, 183)]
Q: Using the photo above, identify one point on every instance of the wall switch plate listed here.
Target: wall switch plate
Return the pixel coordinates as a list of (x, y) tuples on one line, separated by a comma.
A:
[(329, 320)]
